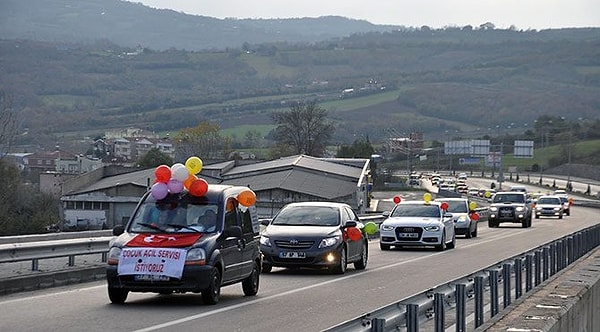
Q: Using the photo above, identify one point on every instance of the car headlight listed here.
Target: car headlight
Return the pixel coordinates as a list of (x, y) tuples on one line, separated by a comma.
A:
[(329, 242), (493, 209), (432, 228), (386, 227), (113, 256), (265, 241), (196, 256), (520, 208)]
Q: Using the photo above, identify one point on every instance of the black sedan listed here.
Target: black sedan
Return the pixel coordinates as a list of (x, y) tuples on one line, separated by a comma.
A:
[(314, 235)]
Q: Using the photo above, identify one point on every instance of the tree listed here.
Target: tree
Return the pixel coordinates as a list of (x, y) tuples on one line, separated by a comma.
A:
[(304, 128), (360, 149), (8, 123), (155, 158), (203, 141)]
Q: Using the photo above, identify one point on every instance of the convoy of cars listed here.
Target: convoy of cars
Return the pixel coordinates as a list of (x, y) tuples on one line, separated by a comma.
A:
[(188, 242)]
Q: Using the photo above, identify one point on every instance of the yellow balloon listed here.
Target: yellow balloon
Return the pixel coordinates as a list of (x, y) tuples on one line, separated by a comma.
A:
[(472, 205), (427, 197), (194, 165)]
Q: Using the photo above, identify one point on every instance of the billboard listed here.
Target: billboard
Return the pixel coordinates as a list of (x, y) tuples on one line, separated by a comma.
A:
[(523, 149)]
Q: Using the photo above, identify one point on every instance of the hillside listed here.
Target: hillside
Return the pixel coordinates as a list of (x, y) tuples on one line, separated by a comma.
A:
[(447, 82), (129, 24)]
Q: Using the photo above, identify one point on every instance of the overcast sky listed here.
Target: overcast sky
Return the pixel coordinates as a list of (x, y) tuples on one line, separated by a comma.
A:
[(524, 14)]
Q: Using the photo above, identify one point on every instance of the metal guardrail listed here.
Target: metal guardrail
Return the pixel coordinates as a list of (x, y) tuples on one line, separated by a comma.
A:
[(35, 251), (479, 289)]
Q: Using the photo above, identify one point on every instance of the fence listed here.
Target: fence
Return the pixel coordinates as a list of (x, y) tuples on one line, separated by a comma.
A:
[(470, 295)]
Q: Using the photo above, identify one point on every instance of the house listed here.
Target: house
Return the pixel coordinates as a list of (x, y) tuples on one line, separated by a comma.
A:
[(100, 200)]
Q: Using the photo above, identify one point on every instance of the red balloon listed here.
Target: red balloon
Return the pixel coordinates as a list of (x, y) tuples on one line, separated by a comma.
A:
[(475, 216), (199, 187), (163, 173), (354, 233), (397, 199), (444, 206)]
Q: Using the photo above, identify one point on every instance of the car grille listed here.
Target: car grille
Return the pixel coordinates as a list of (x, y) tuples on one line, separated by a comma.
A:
[(400, 231), (294, 244), (506, 212)]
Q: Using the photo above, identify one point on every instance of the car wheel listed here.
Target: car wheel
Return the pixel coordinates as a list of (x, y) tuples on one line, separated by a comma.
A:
[(250, 284), (340, 267), (384, 246), (364, 257), (442, 246), (452, 244), (266, 268), (117, 295), (212, 294)]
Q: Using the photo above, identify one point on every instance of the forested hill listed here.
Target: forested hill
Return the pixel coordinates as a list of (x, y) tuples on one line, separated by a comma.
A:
[(129, 24)]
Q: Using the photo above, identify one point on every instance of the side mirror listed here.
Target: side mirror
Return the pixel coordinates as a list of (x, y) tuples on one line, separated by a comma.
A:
[(350, 223), (118, 230), (233, 231)]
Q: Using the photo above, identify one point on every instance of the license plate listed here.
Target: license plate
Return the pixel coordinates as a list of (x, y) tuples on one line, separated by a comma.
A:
[(150, 277), (291, 254), (409, 235)]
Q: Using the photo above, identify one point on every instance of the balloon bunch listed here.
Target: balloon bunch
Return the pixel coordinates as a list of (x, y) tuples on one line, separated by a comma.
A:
[(177, 177)]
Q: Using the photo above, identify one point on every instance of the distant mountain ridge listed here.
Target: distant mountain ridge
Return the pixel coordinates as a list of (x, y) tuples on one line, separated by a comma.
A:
[(131, 24)]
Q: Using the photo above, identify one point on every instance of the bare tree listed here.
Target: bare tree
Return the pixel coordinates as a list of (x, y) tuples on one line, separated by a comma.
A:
[(8, 124), (304, 127)]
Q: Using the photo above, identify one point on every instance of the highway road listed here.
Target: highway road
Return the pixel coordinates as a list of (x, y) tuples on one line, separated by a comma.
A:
[(289, 300)]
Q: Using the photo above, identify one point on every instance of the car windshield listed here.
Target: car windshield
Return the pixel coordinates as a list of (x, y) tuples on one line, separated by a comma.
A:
[(549, 200), (308, 216), (457, 206), (174, 216), (509, 198), (416, 210)]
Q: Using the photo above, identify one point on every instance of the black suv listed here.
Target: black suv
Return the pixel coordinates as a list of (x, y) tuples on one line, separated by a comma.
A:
[(185, 243), (510, 206)]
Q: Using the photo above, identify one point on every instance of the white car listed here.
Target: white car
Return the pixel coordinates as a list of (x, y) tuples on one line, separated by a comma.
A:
[(549, 206), (417, 223)]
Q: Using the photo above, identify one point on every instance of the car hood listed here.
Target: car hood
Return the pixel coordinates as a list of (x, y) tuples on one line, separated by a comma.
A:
[(411, 221), (300, 231)]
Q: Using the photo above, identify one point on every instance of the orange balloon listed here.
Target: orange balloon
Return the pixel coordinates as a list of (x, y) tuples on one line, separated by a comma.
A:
[(247, 197), (354, 233), (188, 182), (198, 187)]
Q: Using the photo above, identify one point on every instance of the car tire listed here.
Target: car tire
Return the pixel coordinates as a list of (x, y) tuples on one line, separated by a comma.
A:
[(452, 244), (212, 294), (361, 264), (340, 267), (442, 246), (266, 268), (384, 246), (469, 234), (250, 284), (117, 295)]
